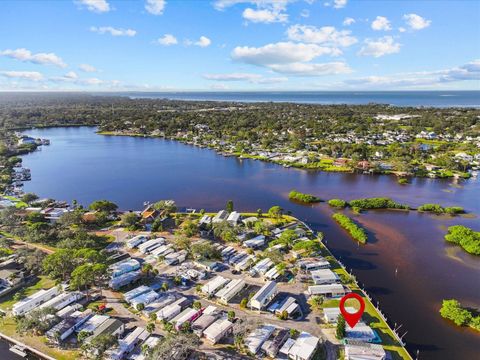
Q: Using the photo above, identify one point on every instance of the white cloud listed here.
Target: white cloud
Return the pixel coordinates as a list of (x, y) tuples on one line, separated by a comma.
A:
[(249, 77), (381, 23), (167, 40), (223, 4), (98, 6), (348, 21), (337, 4), (203, 41), (71, 75), (416, 22), (309, 69), (155, 7), (113, 31), (87, 68), (281, 53), (291, 58), (466, 72), (305, 13), (24, 75), (379, 47), (265, 16), (325, 35), (38, 58)]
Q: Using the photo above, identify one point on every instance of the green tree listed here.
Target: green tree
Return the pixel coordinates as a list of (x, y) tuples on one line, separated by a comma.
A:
[(229, 206), (340, 331)]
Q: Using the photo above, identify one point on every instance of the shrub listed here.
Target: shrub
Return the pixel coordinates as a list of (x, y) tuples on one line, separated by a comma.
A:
[(377, 203), (468, 239), (355, 231), (337, 203), (304, 198)]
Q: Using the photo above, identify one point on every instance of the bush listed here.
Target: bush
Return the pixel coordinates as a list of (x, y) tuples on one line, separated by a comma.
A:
[(468, 239), (304, 198), (337, 203), (377, 203), (355, 231)]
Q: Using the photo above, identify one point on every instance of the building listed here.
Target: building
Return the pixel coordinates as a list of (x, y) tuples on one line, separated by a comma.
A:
[(130, 295), (273, 346), (33, 301), (255, 243), (203, 322), (229, 291), (214, 285), (125, 279), (255, 339), (62, 300), (234, 218), (151, 245), (127, 344), (93, 323), (330, 315), (113, 327), (187, 315), (357, 350), (145, 298), (324, 276), (218, 330), (329, 291), (66, 327), (123, 267), (361, 332), (222, 215), (304, 347), (137, 240), (266, 294)]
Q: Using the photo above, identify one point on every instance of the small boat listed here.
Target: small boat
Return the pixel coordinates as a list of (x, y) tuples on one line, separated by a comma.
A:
[(19, 350)]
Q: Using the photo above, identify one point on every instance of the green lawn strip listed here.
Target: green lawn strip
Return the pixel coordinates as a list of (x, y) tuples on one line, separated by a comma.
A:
[(370, 315), (43, 283), (8, 327)]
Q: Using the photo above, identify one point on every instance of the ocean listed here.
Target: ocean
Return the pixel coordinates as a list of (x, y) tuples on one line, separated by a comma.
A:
[(395, 98)]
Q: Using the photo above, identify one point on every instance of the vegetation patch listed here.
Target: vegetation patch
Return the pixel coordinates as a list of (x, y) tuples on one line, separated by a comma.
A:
[(355, 231), (468, 239), (303, 198), (453, 310)]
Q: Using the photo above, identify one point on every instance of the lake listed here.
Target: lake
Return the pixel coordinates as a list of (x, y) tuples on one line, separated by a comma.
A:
[(407, 266)]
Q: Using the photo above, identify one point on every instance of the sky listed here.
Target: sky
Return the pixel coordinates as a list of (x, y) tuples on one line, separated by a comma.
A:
[(239, 45)]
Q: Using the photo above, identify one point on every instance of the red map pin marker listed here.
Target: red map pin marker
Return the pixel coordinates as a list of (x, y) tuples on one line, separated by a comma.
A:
[(352, 318)]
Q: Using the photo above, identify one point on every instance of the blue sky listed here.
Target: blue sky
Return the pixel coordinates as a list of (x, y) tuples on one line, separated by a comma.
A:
[(155, 45)]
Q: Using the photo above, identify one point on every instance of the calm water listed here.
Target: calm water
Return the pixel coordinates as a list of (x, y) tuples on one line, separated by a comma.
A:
[(397, 98), (84, 166)]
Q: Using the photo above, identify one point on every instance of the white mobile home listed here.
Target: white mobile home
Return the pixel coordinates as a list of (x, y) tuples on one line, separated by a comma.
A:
[(137, 240), (304, 347), (125, 279), (62, 300), (130, 295), (255, 339), (218, 330), (329, 291), (330, 315), (150, 245), (214, 285), (264, 295), (123, 267), (35, 300), (324, 276), (230, 290)]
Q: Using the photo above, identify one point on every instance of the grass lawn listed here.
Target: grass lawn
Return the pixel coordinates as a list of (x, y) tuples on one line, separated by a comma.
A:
[(370, 316), (44, 282), (7, 327)]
